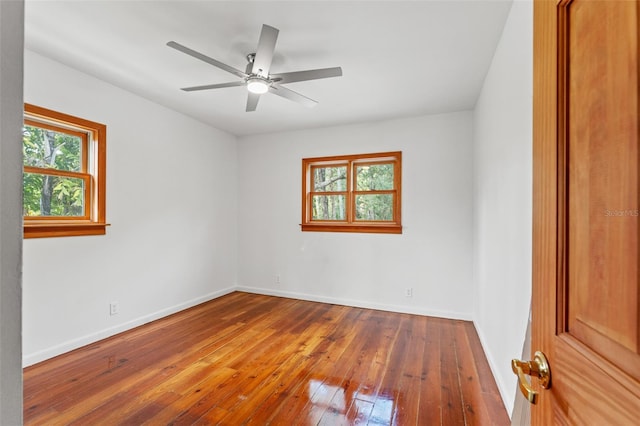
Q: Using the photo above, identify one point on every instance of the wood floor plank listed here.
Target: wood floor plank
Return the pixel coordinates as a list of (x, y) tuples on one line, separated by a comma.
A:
[(259, 360), (302, 342), (337, 339), (197, 400), (430, 412), (287, 361), (452, 408), (352, 377), (413, 374), (390, 392), (301, 391), (354, 355)]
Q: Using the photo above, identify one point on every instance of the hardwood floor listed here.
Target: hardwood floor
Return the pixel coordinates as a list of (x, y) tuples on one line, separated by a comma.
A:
[(257, 360)]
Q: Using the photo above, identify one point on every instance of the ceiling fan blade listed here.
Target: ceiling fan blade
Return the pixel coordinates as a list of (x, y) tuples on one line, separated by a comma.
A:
[(252, 101), (264, 54), (290, 77), (205, 58), (291, 95), (213, 86)]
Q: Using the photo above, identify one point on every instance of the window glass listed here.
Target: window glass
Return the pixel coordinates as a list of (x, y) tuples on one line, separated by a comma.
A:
[(374, 207), (47, 148), (328, 207), (371, 177), (330, 179), (50, 195)]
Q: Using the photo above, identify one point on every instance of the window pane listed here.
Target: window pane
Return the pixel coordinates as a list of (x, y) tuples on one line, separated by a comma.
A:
[(50, 149), (48, 195), (330, 179), (374, 207), (374, 177), (328, 207)]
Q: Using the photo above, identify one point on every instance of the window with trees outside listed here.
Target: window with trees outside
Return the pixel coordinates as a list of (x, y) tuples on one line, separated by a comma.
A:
[(352, 193), (64, 161)]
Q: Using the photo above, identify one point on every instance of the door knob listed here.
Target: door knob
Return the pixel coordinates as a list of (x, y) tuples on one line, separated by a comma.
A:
[(538, 367)]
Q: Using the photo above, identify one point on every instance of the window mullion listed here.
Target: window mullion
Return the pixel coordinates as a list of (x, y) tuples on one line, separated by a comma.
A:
[(349, 198), (56, 172)]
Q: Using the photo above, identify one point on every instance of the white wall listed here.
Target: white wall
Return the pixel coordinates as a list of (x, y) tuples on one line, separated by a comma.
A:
[(503, 199), (11, 34), (432, 256), (171, 201)]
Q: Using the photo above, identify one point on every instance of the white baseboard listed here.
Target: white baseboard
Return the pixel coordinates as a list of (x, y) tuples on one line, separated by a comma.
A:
[(358, 303), (70, 345)]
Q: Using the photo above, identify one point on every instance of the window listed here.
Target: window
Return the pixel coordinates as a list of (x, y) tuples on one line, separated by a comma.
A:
[(64, 160), (352, 193)]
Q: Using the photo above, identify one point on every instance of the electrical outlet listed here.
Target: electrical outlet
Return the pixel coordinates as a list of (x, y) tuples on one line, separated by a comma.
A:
[(114, 308), (278, 279), (408, 292)]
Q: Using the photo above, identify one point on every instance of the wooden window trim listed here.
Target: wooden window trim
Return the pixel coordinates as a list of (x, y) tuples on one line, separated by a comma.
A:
[(94, 165), (350, 224)]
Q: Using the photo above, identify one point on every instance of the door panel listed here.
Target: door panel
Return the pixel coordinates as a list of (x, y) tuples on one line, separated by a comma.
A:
[(586, 277), (602, 147)]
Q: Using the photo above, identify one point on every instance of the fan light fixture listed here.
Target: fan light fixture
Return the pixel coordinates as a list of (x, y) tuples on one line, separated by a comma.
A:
[(256, 75), (257, 85)]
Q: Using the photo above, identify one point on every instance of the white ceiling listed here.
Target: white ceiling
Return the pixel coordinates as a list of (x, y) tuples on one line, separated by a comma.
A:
[(399, 58)]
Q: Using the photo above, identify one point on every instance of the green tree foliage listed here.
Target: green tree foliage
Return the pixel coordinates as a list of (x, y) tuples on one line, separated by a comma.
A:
[(46, 194)]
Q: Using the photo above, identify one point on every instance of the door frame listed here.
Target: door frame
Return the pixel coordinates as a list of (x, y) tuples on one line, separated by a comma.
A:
[(545, 188)]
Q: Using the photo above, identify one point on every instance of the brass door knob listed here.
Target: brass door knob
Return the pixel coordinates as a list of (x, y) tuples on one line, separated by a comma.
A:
[(538, 367)]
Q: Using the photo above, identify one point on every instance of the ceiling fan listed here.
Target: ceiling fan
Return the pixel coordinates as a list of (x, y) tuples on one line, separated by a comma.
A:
[(256, 75)]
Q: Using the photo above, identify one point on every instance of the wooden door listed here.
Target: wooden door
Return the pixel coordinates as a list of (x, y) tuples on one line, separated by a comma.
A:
[(586, 296)]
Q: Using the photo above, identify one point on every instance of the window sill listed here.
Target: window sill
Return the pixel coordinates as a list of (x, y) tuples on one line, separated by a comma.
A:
[(49, 229), (368, 229)]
